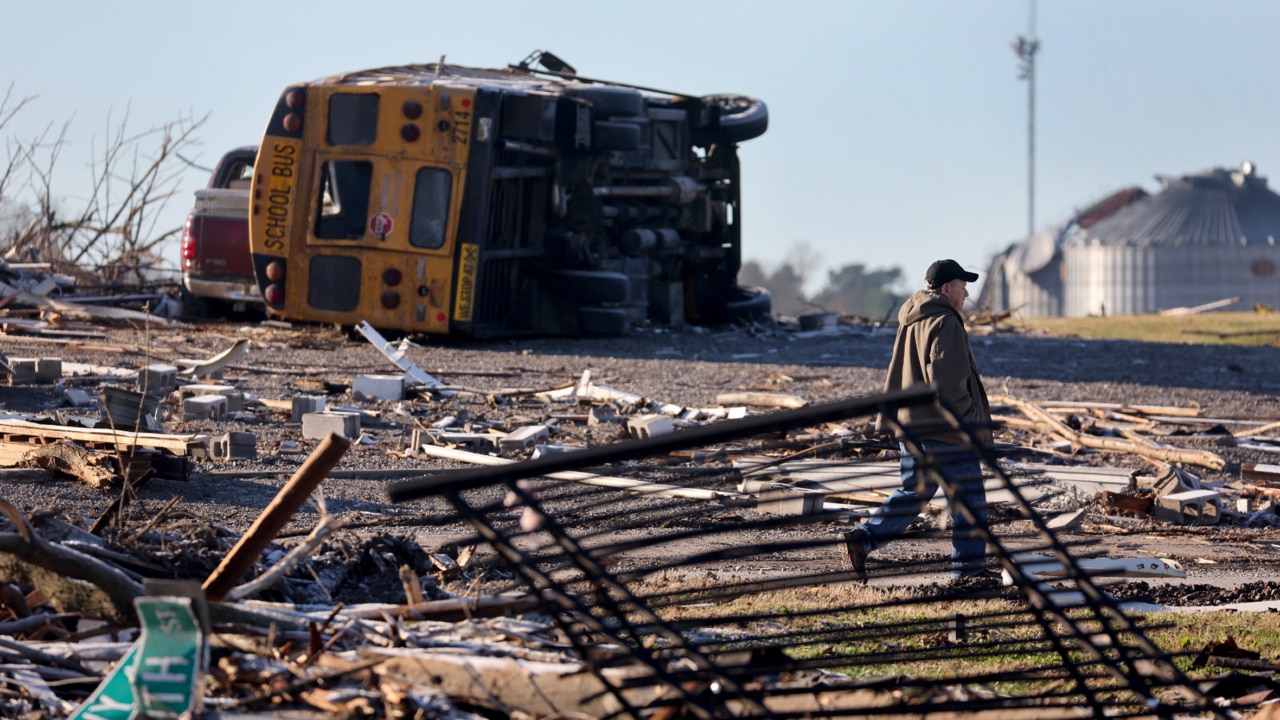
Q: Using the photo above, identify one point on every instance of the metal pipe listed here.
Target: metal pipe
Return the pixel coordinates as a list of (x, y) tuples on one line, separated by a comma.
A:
[(529, 149)]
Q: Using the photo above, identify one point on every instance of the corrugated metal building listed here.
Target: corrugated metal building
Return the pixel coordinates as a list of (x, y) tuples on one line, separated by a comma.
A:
[(1203, 238), (1028, 276)]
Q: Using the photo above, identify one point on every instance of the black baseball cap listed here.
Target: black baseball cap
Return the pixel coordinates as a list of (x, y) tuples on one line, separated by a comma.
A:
[(942, 272)]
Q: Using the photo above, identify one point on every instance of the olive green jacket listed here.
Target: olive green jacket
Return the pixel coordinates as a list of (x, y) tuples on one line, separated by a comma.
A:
[(932, 347)]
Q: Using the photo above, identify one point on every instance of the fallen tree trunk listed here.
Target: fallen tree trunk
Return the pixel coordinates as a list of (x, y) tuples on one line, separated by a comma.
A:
[(72, 581)]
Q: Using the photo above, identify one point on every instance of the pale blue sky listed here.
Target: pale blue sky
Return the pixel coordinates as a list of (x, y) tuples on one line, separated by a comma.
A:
[(897, 129)]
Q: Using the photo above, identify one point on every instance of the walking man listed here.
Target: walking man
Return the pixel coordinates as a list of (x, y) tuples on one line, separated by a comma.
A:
[(932, 347)]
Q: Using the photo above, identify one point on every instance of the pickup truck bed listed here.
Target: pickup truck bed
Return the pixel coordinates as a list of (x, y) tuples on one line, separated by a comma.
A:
[(217, 276)]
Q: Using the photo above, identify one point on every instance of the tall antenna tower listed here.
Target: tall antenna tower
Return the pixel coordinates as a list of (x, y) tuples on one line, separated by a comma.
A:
[(1026, 47)]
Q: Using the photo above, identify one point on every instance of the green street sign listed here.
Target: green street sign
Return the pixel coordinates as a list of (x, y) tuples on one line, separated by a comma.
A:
[(160, 677)]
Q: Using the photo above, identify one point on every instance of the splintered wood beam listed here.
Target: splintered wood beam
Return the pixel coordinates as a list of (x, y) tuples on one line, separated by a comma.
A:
[(761, 399), (1121, 407), (272, 520), (1164, 453)]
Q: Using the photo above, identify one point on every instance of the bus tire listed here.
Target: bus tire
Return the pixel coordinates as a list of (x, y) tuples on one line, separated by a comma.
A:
[(594, 286), (608, 101), (750, 304), (603, 321), (740, 117), (614, 136)]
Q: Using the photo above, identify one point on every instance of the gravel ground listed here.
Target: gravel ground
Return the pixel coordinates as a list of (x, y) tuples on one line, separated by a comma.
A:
[(689, 368)]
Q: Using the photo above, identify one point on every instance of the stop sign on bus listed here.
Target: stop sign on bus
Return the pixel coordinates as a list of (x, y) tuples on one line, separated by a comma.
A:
[(381, 224)]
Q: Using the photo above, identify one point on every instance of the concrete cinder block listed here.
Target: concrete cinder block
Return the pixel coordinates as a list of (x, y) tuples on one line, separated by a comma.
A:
[(477, 442), (545, 450), (303, 404), (1174, 482), (650, 425), (1193, 507), (234, 446), (601, 414), (524, 438), (158, 379), (377, 387), (204, 407), (24, 370), (125, 408), (75, 397), (235, 398), (417, 438), (789, 500), (49, 369), (318, 425)]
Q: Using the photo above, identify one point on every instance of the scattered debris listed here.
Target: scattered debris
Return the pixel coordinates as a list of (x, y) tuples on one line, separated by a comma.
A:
[(595, 634)]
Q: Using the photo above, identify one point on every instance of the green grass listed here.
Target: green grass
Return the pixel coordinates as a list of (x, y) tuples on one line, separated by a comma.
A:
[(1219, 328), (1013, 644)]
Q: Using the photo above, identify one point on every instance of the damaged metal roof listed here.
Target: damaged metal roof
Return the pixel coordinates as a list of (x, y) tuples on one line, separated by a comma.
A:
[(1217, 207)]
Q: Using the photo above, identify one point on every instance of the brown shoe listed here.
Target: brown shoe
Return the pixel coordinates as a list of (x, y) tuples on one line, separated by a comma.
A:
[(855, 554)]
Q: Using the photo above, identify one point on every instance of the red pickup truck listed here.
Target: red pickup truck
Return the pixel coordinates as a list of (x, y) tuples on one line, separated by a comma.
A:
[(217, 272)]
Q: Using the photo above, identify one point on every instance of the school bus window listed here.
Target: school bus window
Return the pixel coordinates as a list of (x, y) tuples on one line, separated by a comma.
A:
[(353, 119), (343, 207), (430, 208)]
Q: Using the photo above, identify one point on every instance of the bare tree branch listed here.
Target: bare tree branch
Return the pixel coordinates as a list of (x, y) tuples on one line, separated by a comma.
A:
[(112, 235)]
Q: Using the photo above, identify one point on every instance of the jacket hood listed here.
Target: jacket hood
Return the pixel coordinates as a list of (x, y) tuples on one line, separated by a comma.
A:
[(922, 305)]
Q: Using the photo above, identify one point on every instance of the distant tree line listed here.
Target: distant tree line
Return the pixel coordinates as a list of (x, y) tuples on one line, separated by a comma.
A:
[(851, 289)]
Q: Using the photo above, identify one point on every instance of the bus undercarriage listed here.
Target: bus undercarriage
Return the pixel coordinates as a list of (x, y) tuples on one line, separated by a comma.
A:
[(583, 207)]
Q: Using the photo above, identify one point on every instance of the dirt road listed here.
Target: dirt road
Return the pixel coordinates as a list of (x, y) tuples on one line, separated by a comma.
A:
[(688, 368)]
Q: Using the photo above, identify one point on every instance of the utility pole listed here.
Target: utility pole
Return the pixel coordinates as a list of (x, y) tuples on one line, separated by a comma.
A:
[(1026, 48)]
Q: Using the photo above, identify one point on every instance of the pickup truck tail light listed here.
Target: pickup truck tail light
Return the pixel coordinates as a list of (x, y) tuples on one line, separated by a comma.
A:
[(188, 243)]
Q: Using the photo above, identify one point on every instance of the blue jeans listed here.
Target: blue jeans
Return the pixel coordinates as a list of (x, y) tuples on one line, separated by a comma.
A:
[(918, 487)]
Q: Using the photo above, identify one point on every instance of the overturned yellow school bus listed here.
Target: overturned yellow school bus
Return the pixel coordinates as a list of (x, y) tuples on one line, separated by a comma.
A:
[(444, 199)]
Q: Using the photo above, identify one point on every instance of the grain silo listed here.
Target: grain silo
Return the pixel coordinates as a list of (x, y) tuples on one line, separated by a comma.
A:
[(1027, 277), (1202, 238)]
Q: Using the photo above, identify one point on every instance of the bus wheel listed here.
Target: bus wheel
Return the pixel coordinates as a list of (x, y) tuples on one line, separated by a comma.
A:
[(741, 117), (594, 285), (611, 135), (603, 321), (749, 304), (609, 101)]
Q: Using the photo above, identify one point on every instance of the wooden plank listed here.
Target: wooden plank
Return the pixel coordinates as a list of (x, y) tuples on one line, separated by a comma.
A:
[(1261, 473), (176, 444)]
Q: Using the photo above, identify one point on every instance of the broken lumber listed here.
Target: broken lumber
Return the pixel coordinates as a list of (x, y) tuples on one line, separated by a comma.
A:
[(585, 478), (275, 516), (1163, 452), (219, 362), (121, 441), (327, 526), (93, 468), (761, 399), (1215, 305), (451, 609), (94, 312), (1258, 430)]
